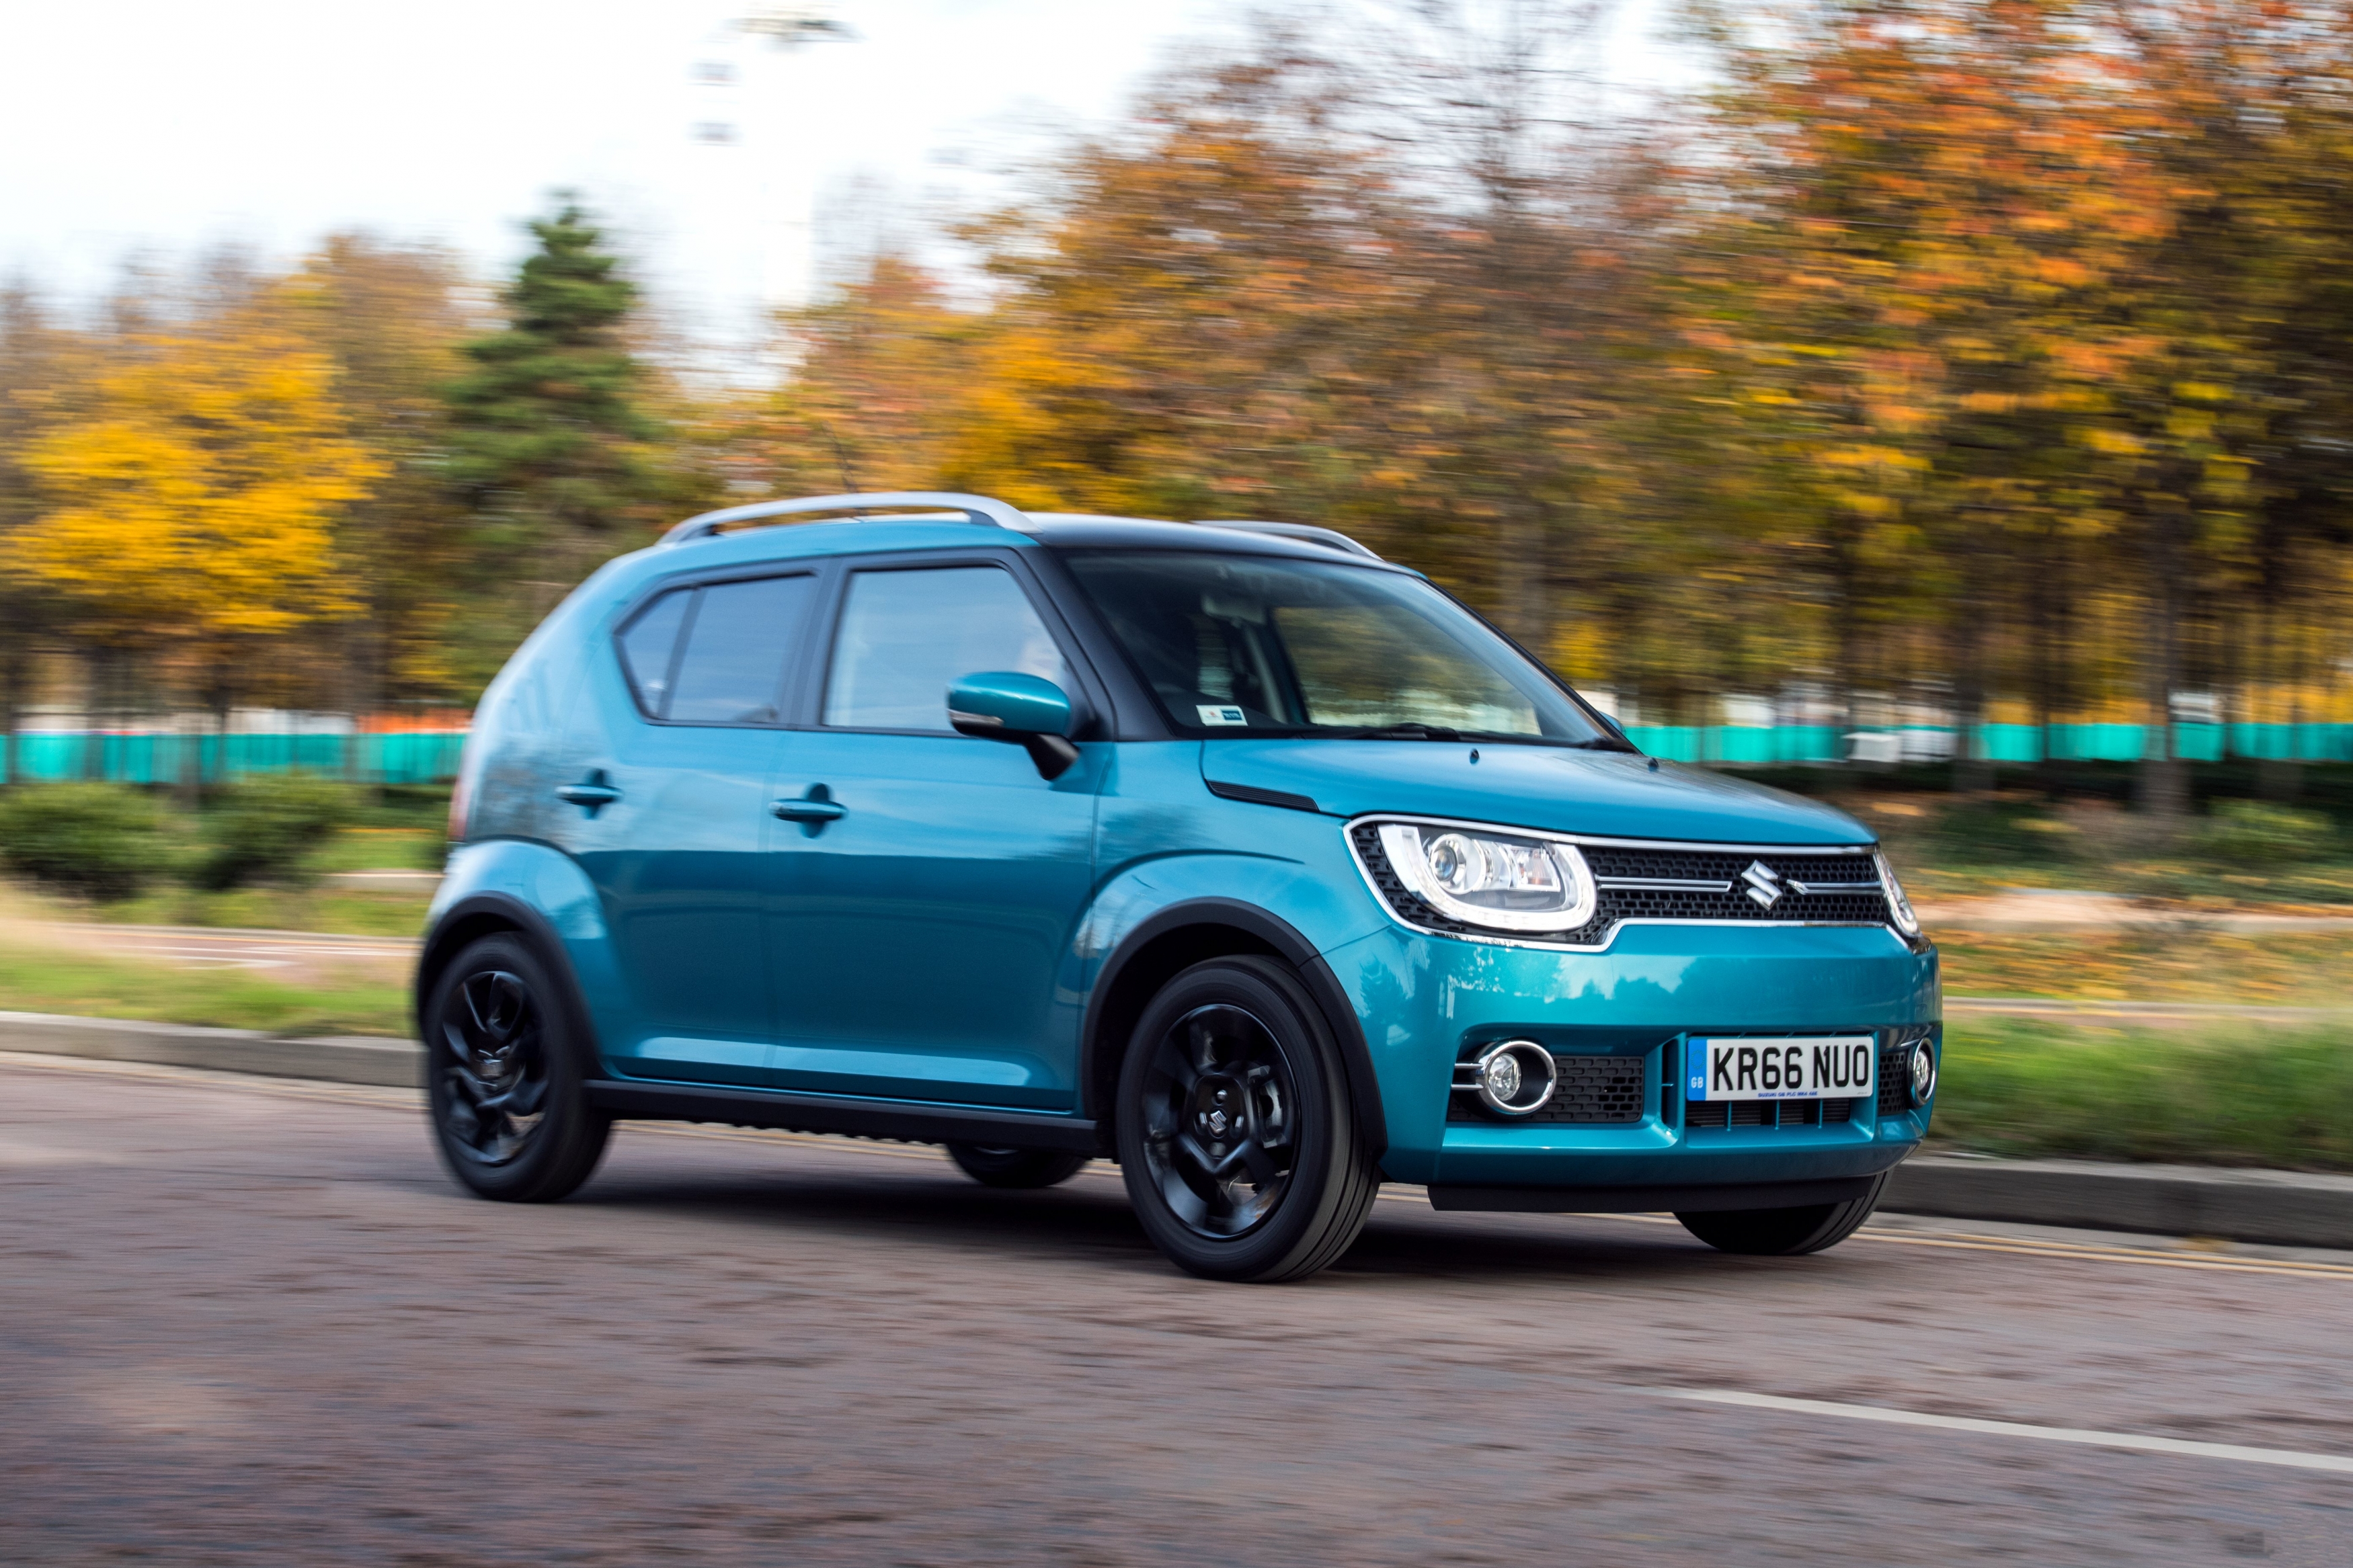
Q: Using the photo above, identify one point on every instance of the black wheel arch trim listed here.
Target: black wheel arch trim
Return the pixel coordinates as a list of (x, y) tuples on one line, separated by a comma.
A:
[(1364, 1083)]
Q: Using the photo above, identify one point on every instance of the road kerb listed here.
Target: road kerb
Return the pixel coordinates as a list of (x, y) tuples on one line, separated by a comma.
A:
[(2285, 1208), (393, 1064)]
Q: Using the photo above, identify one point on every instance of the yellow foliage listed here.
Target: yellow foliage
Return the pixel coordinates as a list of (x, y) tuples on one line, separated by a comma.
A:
[(195, 493)]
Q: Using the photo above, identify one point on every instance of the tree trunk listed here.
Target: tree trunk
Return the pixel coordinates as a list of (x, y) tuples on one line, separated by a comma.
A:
[(93, 685), (2163, 785), (1972, 763), (2049, 643), (2276, 778), (12, 663)]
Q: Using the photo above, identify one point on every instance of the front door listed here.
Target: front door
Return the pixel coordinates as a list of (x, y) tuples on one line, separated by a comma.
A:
[(672, 820), (920, 937)]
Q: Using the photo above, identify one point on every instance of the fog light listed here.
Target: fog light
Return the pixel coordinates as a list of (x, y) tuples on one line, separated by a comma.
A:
[(1516, 1078), (1924, 1070)]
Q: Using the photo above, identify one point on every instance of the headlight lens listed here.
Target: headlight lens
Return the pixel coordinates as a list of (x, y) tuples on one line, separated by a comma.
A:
[(1496, 880), (1898, 906)]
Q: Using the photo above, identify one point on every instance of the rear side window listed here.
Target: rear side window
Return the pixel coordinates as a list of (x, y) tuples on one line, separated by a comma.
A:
[(717, 655), (905, 637)]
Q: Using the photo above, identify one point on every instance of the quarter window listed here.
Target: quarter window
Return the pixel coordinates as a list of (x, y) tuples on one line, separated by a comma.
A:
[(649, 643), (905, 637)]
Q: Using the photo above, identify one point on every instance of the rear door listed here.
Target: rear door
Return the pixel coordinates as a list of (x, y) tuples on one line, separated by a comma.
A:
[(922, 937), (670, 816)]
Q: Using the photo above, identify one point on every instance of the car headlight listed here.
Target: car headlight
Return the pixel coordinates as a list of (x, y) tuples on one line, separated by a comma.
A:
[(1497, 880), (1898, 906)]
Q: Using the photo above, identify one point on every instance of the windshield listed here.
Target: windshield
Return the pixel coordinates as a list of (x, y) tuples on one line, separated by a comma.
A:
[(1264, 645)]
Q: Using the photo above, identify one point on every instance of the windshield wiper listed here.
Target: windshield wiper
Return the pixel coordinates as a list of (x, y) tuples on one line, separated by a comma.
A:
[(1412, 730)]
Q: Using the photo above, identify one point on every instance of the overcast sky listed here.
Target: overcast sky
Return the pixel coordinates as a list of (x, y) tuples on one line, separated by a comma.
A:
[(163, 127), (169, 126)]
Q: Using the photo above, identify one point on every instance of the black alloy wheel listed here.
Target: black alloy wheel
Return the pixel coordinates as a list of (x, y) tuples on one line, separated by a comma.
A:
[(1016, 1169), (496, 1066), (1784, 1233), (504, 1076), (1219, 1134), (1237, 1140)]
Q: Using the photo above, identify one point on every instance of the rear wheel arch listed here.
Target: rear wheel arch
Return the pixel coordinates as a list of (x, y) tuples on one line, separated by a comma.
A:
[(484, 914), (1172, 940)]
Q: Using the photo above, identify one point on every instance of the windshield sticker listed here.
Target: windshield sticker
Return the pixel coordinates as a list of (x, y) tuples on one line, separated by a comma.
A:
[(1212, 714)]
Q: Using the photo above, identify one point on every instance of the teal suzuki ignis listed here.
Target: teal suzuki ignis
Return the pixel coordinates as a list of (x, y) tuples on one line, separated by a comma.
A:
[(1223, 851)]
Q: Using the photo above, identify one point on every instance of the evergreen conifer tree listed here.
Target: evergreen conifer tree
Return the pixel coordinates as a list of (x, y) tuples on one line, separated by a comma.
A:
[(553, 447)]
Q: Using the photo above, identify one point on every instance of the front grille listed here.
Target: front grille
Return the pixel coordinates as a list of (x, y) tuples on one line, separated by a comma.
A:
[(1591, 1091), (1768, 1112), (1729, 900)]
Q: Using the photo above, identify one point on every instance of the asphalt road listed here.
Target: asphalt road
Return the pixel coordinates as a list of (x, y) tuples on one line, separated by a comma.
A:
[(247, 1321)]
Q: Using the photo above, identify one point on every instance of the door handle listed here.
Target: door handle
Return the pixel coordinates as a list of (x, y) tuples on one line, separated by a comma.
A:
[(593, 793), (812, 811)]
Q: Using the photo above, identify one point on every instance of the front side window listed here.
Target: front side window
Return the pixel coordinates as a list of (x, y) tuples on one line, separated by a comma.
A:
[(1233, 645), (717, 654), (906, 636)]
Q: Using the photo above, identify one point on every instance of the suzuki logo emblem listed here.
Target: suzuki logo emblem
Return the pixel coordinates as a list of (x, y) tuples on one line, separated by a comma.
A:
[(1764, 885)]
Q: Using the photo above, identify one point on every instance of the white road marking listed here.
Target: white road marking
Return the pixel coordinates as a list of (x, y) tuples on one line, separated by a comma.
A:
[(2290, 1458)]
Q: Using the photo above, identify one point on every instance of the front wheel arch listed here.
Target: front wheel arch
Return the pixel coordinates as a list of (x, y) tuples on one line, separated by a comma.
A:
[(1172, 940)]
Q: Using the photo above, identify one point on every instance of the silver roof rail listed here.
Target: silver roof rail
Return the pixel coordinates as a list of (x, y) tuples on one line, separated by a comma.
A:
[(983, 510), (1307, 532)]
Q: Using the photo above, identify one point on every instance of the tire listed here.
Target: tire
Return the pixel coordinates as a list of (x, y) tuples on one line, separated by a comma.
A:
[(1289, 1196), (505, 1075), (1784, 1233), (1017, 1169)]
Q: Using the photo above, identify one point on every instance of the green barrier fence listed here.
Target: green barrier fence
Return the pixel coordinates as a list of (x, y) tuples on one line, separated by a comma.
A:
[(1768, 745), (430, 756), (409, 757)]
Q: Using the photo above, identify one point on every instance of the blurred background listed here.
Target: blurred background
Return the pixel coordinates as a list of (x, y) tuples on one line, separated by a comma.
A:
[(1942, 405)]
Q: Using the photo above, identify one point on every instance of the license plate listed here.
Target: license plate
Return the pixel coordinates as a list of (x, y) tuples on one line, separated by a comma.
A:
[(1785, 1066)]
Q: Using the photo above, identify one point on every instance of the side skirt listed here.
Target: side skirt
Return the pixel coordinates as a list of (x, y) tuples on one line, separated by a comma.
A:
[(790, 1112), (1697, 1198)]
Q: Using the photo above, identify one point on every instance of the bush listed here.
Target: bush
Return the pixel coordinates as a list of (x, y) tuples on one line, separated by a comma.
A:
[(102, 841), (2251, 833), (2002, 833), (265, 826)]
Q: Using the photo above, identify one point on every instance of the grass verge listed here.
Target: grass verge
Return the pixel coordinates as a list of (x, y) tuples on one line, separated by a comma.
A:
[(41, 979), (2240, 1095), (339, 910)]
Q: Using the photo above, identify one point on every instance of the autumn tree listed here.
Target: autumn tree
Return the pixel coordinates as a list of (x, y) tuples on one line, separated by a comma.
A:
[(390, 318), (39, 361), (187, 501)]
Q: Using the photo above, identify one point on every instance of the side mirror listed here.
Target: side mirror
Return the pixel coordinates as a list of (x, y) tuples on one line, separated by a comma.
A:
[(1028, 710)]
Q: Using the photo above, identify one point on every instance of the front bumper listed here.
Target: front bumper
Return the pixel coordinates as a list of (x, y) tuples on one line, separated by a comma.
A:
[(1425, 1001)]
